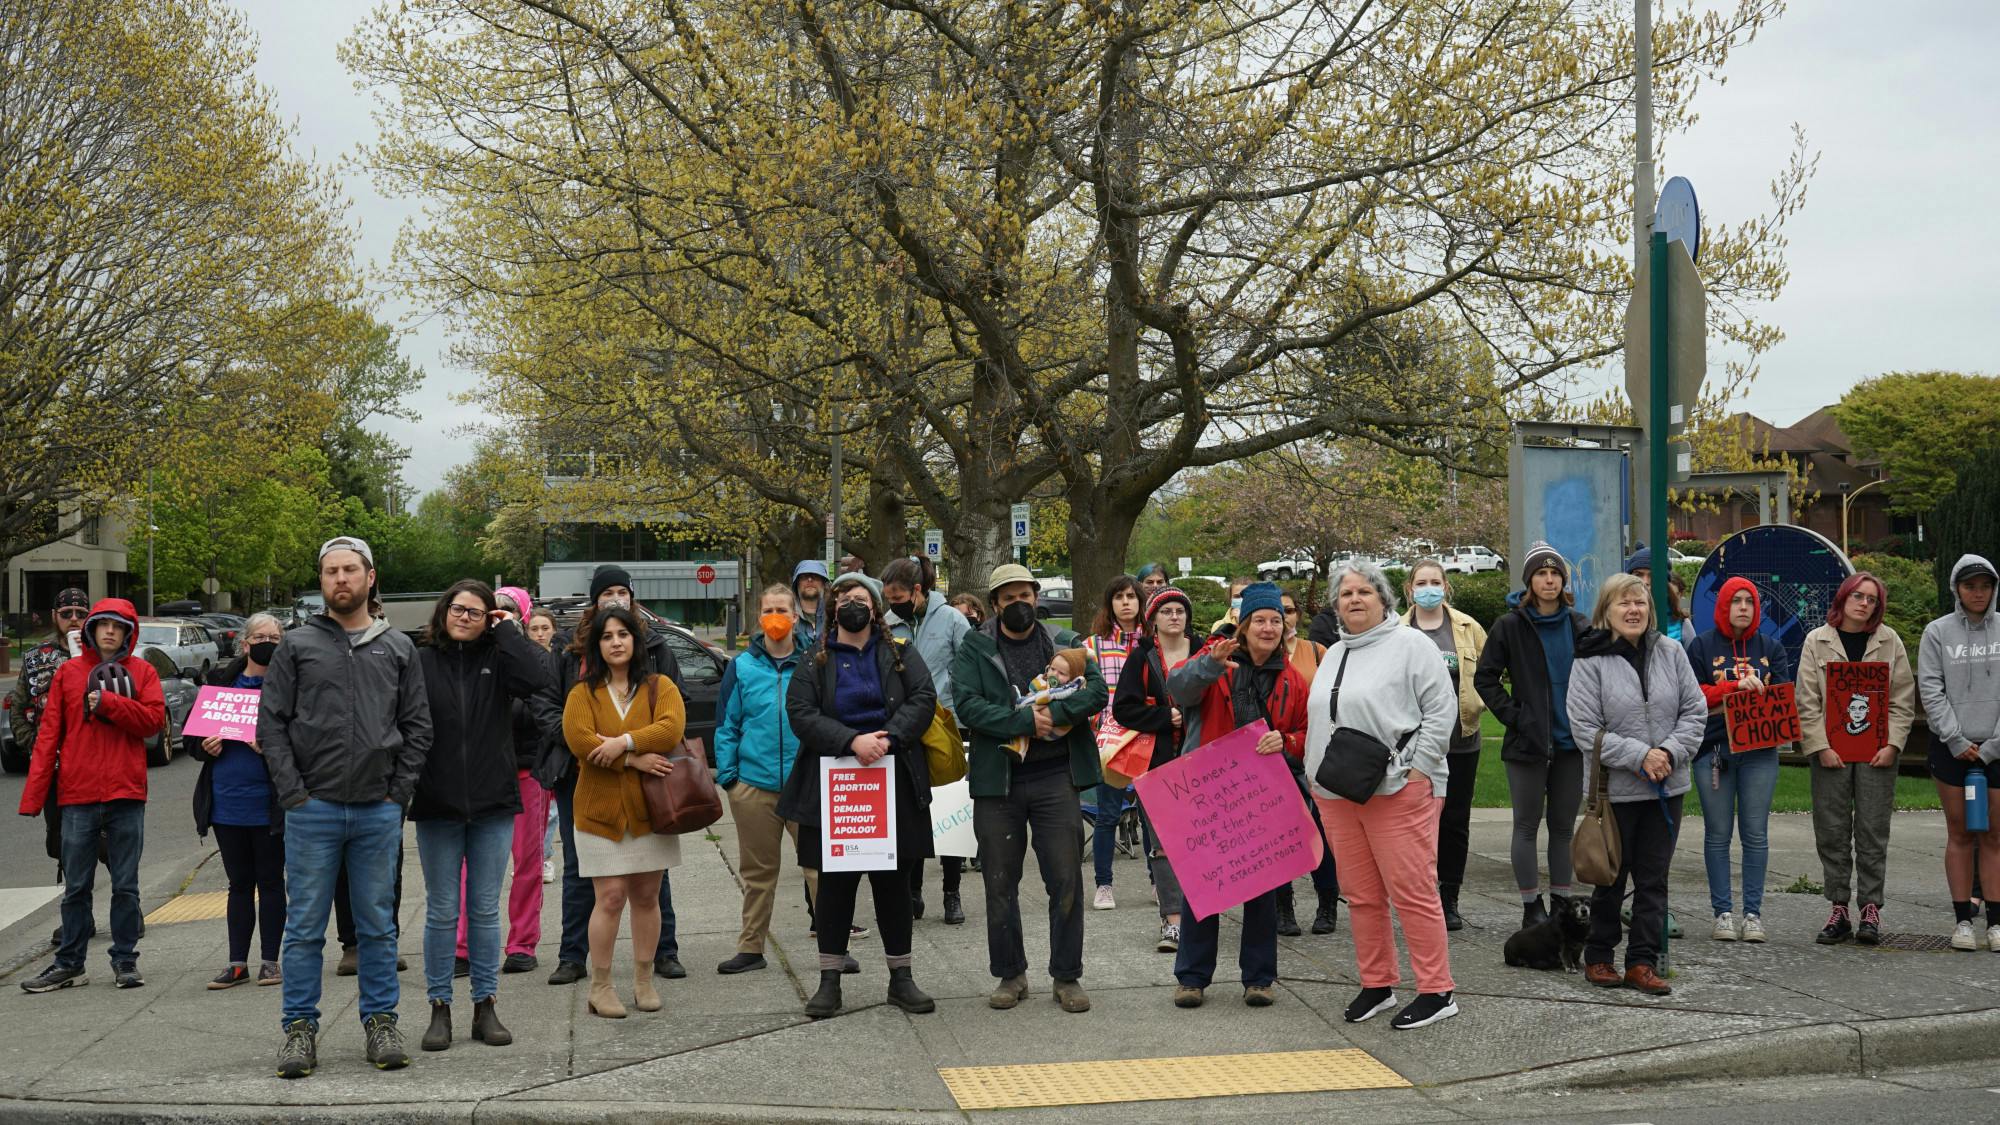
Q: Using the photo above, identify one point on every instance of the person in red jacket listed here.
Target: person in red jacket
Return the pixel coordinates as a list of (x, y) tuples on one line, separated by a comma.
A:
[(101, 706)]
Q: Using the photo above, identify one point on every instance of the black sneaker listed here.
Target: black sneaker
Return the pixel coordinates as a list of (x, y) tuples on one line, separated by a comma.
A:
[(742, 963), (127, 976), (55, 977), (669, 967), (300, 1054), (229, 977), (1837, 928), (1869, 931), (1427, 1009), (856, 933), (520, 963), (1371, 1002), (567, 972), (385, 1042)]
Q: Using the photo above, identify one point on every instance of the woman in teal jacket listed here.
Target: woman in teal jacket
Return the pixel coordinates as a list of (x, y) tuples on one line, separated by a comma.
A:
[(754, 752)]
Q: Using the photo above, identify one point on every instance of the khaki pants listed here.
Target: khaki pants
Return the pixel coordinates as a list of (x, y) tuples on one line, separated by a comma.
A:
[(760, 841)]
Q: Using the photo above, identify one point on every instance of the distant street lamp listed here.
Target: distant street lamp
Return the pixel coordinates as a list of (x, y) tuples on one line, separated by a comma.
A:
[(1846, 499)]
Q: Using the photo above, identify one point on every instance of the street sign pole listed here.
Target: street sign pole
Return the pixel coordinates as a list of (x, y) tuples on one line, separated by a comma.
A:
[(1657, 446)]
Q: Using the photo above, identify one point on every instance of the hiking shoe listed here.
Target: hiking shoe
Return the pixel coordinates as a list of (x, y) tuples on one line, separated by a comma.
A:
[(1961, 938), (385, 1042), (1427, 1009), (954, 910), (1725, 927), (1644, 979), (1603, 975), (741, 963), (1869, 932), (1753, 928), (1008, 993), (269, 973), (1288, 920), (1368, 1004), (1259, 995), (1188, 996), (1104, 899), (567, 972), (1170, 938), (350, 962), (520, 963), (55, 977), (1838, 928), (669, 968), (1071, 996), (126, 975), (229, 977), (300, 1054)]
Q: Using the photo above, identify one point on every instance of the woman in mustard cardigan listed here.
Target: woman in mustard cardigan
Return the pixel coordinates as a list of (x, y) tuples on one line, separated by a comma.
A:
[(621, 720)]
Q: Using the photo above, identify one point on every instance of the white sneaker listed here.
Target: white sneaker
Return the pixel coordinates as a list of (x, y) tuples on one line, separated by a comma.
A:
[(1993, 938), (1725, 927), (548, 871), (1961, 937), (1753, 928), (1104, 901)]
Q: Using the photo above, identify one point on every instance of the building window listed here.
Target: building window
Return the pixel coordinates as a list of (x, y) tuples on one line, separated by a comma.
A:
[(90, 532)]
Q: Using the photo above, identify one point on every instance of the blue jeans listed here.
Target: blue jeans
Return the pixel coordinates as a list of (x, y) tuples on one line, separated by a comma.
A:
[(319, 837), (123, 825), (579, 898), (1104, 840), (1738, 796), (1256, 956), (480, 849)]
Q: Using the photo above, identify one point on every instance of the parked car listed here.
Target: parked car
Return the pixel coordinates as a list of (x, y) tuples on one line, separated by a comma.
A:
[(1290, 565), (188, 607), (701, 662), (184, 640), (177, 689), (1675, 557), (1474, 559), (226, 628), (288, 616), (1056, 599)]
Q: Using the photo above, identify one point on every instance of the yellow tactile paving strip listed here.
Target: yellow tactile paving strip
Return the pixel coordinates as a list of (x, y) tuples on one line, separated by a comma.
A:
[(191, 908), (1147, 1080)]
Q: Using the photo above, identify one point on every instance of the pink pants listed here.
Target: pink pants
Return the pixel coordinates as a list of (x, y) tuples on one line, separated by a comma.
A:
[(524, 895), (1386, 851)]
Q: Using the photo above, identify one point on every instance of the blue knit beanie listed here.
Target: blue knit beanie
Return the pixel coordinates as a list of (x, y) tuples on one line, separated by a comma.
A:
[(1642, 558), (1261, 595)]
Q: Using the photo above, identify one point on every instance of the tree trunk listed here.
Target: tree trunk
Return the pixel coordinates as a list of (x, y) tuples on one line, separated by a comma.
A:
[(1100, 532), (888, 531), (978, 542)]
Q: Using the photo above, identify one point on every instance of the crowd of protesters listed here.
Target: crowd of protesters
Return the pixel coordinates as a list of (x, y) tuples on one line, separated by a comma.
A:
[(493, 731)]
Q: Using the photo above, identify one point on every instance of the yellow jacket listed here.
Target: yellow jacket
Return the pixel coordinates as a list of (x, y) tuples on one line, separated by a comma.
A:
[(1469, 639), (1822, 647), (608, 801)]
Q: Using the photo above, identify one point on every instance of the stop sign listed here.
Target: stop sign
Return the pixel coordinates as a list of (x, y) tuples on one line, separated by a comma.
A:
[(704, 574)]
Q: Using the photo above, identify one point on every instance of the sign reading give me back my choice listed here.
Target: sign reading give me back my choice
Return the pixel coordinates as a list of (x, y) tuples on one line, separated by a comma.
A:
[(228, 711), (1231, 820)]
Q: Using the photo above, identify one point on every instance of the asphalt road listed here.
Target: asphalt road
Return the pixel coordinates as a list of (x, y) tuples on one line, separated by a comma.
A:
[(170, 834)]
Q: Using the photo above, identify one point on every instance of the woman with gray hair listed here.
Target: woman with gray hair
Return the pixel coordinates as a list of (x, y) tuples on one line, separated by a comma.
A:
[(234, 796), (1382, 686)]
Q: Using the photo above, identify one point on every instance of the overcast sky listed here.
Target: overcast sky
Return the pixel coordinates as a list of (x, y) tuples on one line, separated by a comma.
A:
[(1889, 259)]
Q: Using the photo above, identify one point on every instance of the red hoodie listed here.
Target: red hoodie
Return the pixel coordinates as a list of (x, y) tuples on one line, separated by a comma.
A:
[(103, 753), (1725, 669)]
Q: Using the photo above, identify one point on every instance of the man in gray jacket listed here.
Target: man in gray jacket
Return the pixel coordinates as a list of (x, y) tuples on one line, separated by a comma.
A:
[(344, 726), (1958, 679)]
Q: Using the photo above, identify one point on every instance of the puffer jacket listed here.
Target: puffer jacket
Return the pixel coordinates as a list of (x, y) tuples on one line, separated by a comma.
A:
[(103, 754), (754, 742), (345, 721), (1722, 657), (471, 771), (1665, 709)]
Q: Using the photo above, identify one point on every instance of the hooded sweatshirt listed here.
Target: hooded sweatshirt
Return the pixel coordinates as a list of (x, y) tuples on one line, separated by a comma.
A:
[(935, 633), (810, 626), (103, 753), (1723, 656), (1394, 685), (1958, 673)]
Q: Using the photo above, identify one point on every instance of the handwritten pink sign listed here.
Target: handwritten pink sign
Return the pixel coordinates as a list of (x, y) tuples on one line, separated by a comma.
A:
[(228, 711), (1231, 821)]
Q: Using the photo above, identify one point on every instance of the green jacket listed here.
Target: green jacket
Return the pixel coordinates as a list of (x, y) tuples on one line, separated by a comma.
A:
[(987, 715)]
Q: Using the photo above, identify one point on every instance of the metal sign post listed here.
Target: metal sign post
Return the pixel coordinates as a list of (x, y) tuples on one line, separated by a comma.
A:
[(1019, 517)]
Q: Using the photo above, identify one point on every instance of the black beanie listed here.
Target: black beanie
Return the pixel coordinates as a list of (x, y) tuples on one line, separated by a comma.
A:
[(607, 576), (1540, 555)]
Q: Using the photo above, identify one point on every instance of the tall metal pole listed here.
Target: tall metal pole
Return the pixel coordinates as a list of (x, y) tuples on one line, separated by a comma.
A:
[(1643, 203), (1656, 426)]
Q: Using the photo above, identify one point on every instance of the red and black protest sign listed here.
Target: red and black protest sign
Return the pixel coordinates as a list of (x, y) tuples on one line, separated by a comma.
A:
[(1759, 720), (1857, 708)]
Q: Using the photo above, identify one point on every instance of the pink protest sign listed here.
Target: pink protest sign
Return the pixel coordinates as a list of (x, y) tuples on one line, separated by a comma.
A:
[(1231, 821), (228, 711)]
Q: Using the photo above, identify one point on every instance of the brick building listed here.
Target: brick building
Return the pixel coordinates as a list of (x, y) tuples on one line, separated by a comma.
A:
[(1816, 445)]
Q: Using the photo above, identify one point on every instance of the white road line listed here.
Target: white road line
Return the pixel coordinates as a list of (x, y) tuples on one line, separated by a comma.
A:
[(17, 903)]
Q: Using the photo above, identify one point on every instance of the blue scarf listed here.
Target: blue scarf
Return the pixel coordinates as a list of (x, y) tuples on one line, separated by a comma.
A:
[(1559, 651)]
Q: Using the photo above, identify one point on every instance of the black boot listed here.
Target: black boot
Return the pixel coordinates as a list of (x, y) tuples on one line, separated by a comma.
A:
[(1327, 918), (916, 906), (1533, 913), (438, 1036), (954, 911), (903, 992), (486, 1025), (826, 1001), (1448, 895), (1288, 921)]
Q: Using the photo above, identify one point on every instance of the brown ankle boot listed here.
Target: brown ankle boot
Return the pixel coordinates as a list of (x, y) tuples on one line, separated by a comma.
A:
[(603, 998), (644, 996), (1643, 978)]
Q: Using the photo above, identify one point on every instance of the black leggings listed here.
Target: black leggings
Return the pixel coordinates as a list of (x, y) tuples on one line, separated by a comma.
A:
[(834, 912), (254, 860)]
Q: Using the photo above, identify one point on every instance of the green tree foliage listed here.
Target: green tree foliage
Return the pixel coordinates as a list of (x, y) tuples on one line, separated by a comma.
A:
[(1925, 426), (253, 533), (1912, 591), (1967, 520)]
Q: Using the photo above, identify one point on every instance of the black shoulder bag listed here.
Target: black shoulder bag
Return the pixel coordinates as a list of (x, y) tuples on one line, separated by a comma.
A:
[(1355, 761)]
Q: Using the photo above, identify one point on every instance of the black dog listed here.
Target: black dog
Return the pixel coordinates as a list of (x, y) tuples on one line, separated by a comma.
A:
[(1556, 943)]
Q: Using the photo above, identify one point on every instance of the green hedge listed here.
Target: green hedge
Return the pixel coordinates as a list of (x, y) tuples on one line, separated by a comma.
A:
[(1913, 599)]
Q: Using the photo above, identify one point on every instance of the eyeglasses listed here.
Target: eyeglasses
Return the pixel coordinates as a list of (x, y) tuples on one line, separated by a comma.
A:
[(464, 612), (1291, 611), (72, 614)]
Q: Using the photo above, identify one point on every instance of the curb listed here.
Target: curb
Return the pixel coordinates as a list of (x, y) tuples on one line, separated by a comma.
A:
[(162, 890), (1850, 1048), (500, 1112)]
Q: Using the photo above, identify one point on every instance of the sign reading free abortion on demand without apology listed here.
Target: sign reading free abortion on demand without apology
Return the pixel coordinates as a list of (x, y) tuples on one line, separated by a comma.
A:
[(228, 711)]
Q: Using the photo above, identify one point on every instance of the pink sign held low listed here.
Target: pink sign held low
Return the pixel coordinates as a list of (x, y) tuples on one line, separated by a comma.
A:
[(1231, 821), (228, 711)]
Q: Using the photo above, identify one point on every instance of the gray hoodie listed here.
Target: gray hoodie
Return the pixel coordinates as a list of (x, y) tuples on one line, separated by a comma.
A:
[(1394, 685), (1958, 674)]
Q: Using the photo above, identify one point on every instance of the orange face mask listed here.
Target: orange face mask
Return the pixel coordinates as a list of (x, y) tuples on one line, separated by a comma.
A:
[(777, 626)]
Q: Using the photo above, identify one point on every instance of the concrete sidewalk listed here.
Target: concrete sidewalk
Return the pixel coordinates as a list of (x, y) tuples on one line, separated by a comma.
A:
[(738, 1048)]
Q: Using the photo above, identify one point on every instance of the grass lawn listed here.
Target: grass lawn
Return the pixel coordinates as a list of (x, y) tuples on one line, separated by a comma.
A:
[(1794, 786)]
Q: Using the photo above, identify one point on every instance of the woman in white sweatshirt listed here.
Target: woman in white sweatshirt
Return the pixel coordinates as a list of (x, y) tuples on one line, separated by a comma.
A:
[(1384, 679)]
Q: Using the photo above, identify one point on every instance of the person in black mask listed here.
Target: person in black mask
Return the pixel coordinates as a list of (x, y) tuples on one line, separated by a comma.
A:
[(1033, 797)]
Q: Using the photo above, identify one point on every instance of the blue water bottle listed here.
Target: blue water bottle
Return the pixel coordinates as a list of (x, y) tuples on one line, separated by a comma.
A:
[(1975, 799)]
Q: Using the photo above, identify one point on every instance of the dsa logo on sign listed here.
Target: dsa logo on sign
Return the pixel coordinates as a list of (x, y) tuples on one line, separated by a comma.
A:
[(838, 849)]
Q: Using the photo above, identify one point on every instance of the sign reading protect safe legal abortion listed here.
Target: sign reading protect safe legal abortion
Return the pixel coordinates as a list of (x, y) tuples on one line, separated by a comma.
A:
[(857, 815), (228, 711), (1231, 821), (1759, 720)]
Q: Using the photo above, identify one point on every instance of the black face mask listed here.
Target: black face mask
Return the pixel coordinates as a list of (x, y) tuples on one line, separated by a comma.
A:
[(262, 652), (904, 611), (853, 616), (1017, 617)]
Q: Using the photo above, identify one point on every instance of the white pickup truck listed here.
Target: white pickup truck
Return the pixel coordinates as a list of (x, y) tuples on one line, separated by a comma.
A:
[(1472, 560)]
